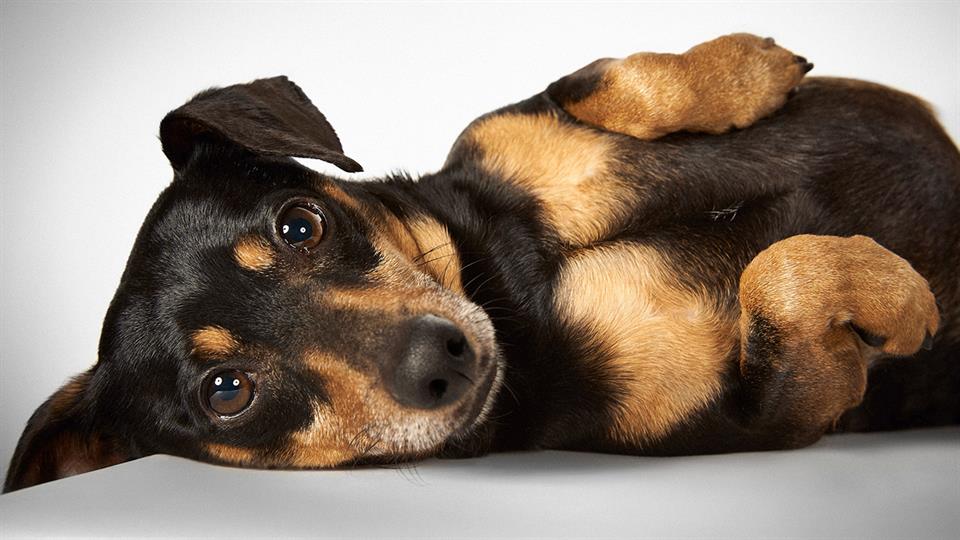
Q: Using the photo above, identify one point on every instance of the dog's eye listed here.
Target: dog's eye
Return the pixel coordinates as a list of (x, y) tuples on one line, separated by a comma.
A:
[(229, 392), (301, 226)]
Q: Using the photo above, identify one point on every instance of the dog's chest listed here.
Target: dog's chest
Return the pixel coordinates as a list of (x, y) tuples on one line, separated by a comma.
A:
[(665, 345)]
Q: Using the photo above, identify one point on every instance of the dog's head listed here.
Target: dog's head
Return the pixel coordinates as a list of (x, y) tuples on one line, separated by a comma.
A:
[(271, 316)]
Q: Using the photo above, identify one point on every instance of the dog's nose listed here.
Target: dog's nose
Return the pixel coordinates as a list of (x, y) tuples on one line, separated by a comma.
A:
[(436, 368)]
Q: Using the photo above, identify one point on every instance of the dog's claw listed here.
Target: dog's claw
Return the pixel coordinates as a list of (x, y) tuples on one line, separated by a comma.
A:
[(872, 340), (804, 65)]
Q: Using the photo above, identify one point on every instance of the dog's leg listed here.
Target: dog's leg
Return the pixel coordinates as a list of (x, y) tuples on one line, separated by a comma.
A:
[(815, 311), (731, 81)]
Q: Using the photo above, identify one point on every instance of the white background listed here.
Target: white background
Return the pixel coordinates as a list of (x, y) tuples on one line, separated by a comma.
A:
[(84, 86)]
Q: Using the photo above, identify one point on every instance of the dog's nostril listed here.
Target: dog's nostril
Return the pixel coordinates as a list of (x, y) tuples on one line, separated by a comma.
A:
[(457, 346), (438, 387), (436, 366)]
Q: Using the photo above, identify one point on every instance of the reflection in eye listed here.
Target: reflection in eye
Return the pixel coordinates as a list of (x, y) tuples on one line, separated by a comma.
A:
[(229, 392)]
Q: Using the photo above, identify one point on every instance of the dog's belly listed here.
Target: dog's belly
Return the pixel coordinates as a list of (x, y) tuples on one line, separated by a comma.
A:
[(665, 346)]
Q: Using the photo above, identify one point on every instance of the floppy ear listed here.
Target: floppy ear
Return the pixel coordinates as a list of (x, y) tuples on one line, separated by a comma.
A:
[(62, 440), (269, 117)]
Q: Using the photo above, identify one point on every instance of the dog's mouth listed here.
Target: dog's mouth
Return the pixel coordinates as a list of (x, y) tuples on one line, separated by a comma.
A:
[(478, 408)]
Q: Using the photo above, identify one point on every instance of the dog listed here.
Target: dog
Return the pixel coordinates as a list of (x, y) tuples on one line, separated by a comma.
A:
[(663, 254)]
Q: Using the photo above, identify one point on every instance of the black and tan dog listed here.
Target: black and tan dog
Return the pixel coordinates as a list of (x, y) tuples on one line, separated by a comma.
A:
[(565, 281)]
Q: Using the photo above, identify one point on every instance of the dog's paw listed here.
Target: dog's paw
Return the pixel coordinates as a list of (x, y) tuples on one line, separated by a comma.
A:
[(746, 77), (814, 283)]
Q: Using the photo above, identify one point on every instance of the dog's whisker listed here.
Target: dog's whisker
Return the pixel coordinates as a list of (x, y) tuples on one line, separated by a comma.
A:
[(468, 265), (486, 304), (410, 467), (437, 258), (494, 419), (513, 394), (502, 309), (488, 280), (370, 447), (443, 276), (364, 431), (431, 250), (480, 286)]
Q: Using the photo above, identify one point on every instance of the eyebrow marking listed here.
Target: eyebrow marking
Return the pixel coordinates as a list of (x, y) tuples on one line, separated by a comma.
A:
[(213, 341), (253, 253), (336, 193)]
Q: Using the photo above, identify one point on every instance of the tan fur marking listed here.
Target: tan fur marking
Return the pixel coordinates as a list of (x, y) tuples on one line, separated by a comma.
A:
[(213, 341), (395, 237), (361, 419), (253, 253), (422, 241), (327, 441), (566, 166), (728, 82), (438, 256), (668, 344), (426, 244), (386, 300), (232, 454), (341, 196)]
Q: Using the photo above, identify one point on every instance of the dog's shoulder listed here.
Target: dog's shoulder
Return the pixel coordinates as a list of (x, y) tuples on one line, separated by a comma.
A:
[(573, 171)]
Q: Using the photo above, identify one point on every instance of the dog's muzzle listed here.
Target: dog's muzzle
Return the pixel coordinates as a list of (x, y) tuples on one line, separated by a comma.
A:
[(437, 367)]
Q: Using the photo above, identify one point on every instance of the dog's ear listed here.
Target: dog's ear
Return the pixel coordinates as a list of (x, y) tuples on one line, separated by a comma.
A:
[(62, 439), (269, 117)]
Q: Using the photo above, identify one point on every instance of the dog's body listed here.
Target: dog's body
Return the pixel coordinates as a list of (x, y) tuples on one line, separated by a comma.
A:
[(670, 272), (586, 287)]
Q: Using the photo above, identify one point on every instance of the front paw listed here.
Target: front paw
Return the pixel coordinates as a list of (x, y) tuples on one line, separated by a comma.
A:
[(802, 300), (813, 283), (749, 77)]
